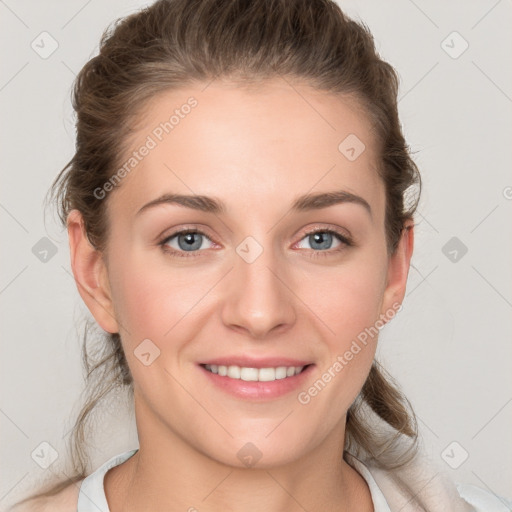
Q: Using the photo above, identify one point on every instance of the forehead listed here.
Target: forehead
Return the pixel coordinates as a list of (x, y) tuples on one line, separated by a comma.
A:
[(250, 145)]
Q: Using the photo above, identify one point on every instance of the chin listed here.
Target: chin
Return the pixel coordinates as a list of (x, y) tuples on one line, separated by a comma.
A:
[(259, 453)]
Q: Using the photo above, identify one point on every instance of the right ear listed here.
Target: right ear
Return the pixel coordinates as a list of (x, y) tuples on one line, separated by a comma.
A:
[(90, 274)]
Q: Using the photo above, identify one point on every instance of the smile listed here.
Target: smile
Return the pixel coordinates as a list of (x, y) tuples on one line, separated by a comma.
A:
[(254, 374)]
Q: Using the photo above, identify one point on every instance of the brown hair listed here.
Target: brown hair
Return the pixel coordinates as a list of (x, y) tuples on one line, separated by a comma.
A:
[(173, 43)]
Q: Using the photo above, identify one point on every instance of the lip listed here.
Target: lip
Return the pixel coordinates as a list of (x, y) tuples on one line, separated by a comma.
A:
[(250, 362), (256, 391)]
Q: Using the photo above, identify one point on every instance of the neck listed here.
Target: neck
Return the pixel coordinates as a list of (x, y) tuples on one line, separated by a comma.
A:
[(168, 474)]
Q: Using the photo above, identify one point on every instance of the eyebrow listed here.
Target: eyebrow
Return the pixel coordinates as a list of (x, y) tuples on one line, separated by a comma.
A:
[(303, 203)]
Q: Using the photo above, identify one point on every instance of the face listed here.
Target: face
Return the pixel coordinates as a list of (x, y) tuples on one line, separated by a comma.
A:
[(260, 284)]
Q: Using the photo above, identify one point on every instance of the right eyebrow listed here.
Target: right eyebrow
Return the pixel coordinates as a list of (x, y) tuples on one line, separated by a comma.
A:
[(195, 202)]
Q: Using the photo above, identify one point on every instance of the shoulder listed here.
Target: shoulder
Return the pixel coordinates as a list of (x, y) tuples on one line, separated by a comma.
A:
[(65, 500), (421, 482), (482, 500)]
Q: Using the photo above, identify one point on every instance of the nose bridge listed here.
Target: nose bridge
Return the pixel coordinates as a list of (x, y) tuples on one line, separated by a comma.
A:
[(257, 300)]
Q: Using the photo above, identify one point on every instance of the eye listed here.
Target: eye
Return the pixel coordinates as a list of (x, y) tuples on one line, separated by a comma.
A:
[(191, 241), (187, 240), (322, 240)]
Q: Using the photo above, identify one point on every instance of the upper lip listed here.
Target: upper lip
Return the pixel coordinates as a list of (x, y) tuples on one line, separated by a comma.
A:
[(249, 362)]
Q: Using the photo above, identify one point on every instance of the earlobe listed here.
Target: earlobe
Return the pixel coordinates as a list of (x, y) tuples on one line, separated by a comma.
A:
[(398, 269), (90, 274)]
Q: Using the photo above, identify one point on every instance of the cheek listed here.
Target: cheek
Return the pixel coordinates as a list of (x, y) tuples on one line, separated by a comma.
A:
[(347, 302), (347, 298), (151, 299)]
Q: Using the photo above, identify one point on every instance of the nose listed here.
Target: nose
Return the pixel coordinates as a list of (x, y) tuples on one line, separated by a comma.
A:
[(258, 299)]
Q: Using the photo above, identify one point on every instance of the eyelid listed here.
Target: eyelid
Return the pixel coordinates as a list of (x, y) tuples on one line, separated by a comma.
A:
[(344, 234), (187, 228)]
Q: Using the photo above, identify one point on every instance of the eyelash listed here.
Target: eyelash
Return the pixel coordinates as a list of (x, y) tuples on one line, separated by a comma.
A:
[(346, 242)]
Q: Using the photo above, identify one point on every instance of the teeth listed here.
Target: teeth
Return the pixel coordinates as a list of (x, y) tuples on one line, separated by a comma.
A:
[(254, 374)]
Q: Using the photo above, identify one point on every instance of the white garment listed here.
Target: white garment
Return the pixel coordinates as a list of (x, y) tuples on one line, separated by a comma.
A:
[(389, 493)]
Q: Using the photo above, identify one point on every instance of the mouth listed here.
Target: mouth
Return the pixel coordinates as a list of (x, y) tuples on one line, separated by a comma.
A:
[(256, 384), (248, 374)]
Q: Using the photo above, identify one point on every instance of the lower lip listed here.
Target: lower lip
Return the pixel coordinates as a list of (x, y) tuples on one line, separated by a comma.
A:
[(255, 390)]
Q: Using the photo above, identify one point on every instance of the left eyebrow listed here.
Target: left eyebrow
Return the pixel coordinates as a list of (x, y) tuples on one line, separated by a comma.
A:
[(326, 199), (302, 203)]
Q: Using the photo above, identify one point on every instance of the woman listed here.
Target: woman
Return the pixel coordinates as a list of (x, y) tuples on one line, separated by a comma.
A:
[(237, 225)]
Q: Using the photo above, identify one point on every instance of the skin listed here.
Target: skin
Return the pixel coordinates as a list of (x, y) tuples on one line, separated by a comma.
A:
[(256, 150)]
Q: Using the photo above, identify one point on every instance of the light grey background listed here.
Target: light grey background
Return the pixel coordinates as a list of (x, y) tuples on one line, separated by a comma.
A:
[(450, 348)]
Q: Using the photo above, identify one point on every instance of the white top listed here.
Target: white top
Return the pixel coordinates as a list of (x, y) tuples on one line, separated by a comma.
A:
[(474, 499)]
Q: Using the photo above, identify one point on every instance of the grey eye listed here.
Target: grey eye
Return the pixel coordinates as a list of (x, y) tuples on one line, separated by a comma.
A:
[(320, 240), (189, 241)]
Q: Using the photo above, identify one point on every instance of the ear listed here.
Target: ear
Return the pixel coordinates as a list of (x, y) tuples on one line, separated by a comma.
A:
[(90, 274), (398, 269)]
